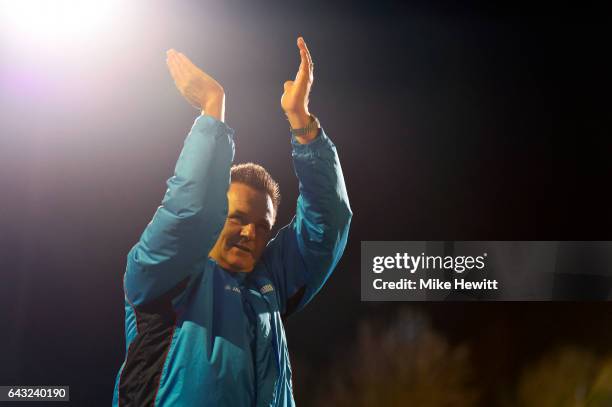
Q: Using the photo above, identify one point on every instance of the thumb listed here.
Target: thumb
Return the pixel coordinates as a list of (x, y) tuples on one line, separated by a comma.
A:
[(287, 85)]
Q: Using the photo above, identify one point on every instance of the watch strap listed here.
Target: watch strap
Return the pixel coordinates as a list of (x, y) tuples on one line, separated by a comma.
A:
[(312, 125)]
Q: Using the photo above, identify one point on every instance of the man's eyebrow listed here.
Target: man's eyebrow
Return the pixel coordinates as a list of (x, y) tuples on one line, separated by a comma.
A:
[(265, 222), (238, 212)]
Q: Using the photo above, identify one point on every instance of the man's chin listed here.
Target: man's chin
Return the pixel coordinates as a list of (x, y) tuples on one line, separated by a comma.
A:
[(241, 268), (239, 263)]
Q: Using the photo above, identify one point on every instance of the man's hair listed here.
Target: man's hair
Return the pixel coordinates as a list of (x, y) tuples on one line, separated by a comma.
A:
[(257, 177)]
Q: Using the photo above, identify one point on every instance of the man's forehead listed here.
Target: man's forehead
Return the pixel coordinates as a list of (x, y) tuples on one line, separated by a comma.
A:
[(249, 200)]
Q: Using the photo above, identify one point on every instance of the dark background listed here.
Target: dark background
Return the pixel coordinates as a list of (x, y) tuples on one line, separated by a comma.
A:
[(453, 121)]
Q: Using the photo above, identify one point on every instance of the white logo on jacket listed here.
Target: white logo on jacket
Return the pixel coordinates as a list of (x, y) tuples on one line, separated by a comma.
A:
[(234, 289)]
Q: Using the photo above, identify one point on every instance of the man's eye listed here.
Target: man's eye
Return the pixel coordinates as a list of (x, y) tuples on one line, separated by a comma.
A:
[(235, 219)]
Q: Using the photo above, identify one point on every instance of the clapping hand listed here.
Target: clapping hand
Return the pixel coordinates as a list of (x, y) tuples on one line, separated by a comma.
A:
[(199, 88)]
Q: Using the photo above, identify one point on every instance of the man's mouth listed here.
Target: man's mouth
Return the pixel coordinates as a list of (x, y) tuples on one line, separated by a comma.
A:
[(243, 248)]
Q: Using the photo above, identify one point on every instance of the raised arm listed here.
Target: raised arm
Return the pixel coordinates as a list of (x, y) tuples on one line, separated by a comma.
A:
[(193, 210), (304, 253)]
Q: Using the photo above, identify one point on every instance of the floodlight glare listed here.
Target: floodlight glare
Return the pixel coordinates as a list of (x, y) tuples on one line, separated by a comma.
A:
[(55, 20)]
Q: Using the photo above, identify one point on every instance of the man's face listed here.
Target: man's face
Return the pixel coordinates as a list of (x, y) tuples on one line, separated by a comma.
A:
[(247, 228)]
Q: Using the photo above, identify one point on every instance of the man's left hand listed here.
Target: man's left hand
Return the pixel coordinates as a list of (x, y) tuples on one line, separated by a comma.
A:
[(296, 92)]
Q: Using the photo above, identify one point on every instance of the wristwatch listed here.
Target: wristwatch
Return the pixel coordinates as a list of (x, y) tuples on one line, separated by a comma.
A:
[(312, 125)]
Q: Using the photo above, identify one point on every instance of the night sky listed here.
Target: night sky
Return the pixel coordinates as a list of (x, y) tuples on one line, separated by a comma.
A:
[(453, 121)]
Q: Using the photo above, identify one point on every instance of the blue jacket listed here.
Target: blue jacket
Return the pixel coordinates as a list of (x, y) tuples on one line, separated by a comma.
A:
[(198, 335)]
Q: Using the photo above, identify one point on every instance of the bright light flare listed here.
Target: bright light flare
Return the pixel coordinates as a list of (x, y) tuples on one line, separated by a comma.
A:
[(56, 21)]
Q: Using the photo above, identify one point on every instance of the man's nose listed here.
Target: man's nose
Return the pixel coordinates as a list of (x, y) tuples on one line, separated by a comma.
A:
[(248, 231)]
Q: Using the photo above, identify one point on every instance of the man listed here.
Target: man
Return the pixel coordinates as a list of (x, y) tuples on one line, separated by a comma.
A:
[(205, 291)]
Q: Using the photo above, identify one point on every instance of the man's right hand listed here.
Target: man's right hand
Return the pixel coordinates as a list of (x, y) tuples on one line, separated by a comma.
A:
[(199, 88)]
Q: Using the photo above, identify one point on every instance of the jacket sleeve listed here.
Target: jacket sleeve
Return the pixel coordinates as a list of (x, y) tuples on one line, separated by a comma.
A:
[(304, 253), (192, 213)]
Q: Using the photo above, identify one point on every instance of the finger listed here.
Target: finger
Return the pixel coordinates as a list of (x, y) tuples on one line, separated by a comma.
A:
[(303, 73), (175, 69), (182, 65), (183, 61), (287, 85), (186, 63), (306, 61), (302, 45), (171, 63), (171, 56)]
